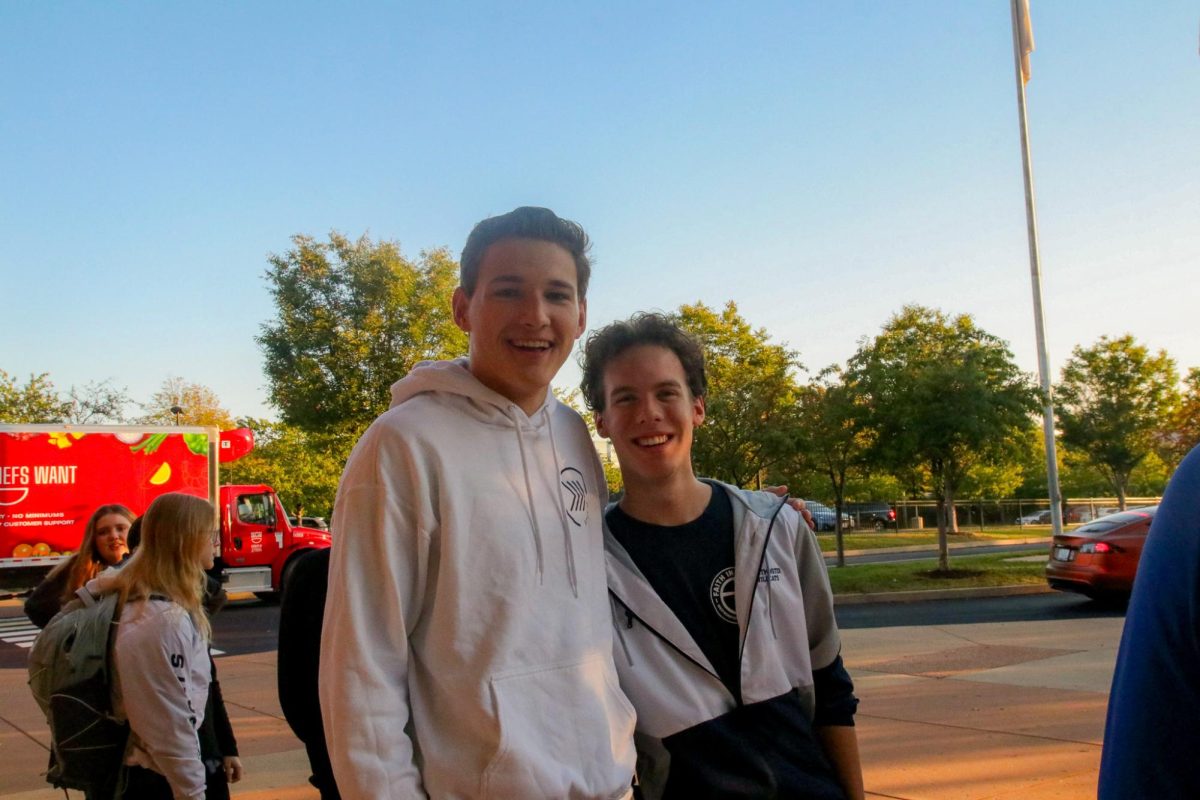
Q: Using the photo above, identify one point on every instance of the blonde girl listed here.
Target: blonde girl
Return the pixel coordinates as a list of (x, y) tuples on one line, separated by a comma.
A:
[(161, 650)]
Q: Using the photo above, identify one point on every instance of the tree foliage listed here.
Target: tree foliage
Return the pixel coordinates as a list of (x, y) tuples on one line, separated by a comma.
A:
[(97, 403), (353, 317), (302, 467), (1114, 399), (832, 435), (942, 393), (751, 396), (35, 401), (1183, 427), (198, 404)]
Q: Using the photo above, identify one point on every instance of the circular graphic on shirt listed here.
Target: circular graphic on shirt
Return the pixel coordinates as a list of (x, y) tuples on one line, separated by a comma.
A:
[(720, 591)]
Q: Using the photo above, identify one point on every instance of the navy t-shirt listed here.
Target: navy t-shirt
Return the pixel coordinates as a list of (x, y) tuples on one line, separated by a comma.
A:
[(690, 567)]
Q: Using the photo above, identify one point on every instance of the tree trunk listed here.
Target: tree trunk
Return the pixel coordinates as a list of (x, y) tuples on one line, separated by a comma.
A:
[(837, 522), (943, 543)]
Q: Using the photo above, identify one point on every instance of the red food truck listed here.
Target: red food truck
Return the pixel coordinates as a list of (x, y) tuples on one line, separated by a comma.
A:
[(52, 477)]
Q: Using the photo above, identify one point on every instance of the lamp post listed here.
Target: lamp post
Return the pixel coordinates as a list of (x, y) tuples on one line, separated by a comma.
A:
[(176, 410)]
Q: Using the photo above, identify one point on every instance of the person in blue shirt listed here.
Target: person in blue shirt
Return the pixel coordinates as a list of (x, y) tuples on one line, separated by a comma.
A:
[(1152, 733)]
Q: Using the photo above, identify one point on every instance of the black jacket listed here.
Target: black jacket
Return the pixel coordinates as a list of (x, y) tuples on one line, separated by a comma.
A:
[(301, 613)]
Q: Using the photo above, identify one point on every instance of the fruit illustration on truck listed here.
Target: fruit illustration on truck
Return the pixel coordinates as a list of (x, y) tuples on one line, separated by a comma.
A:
[(52, 477)]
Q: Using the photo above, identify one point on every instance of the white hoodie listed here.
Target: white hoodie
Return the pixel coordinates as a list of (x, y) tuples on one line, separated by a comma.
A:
[(160, 685), (467, 647)]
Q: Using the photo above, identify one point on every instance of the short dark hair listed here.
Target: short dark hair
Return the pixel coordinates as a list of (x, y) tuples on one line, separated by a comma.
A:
[(645, 328), (526, 222)]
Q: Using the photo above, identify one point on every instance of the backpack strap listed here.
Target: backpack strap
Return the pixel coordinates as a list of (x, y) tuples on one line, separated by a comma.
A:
[(85, 596)]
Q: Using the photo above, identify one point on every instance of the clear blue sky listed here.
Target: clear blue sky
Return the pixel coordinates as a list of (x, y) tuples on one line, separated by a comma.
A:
[(818, 163)]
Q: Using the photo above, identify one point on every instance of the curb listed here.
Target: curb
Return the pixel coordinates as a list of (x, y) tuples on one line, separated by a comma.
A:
[(918, 595)]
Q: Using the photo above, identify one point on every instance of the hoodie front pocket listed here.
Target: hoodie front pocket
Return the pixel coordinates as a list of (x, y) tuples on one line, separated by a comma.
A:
[(565, 731)]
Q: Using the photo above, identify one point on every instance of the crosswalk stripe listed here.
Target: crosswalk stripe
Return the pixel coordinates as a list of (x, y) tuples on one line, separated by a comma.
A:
[(6, 624)]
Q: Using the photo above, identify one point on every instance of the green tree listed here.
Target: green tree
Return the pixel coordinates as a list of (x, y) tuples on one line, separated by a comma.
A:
[(197, 404), (832, 435), (36, 401), (751, 396), (1114, 399), (353, 317), (302, 467), (942, 393), (1183, 429)]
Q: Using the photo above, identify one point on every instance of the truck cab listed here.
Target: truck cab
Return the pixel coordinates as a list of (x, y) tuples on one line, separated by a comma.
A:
[(258, 544)]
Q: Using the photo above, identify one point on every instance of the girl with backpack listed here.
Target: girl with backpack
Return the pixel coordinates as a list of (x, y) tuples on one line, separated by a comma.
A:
[(162, 667)]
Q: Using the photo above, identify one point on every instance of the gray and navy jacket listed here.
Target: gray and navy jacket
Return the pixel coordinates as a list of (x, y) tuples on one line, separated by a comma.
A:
[(693, 738)]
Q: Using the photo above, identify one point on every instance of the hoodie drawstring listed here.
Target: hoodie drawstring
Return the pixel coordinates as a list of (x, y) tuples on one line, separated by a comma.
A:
[(537, 533), (562, 511), (568, 546)]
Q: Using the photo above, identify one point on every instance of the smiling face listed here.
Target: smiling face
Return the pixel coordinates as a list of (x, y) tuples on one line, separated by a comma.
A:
[(109, 540), (649, 414), (523, 318)]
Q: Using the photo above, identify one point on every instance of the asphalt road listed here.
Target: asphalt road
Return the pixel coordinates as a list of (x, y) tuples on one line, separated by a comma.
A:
[(1052, 606), (247, 625)]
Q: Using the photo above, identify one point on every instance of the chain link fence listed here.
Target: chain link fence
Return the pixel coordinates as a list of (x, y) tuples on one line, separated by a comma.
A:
[(991, 514)]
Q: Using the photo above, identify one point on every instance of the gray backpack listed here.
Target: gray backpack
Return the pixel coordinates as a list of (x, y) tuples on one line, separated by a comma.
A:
[(70, 675)]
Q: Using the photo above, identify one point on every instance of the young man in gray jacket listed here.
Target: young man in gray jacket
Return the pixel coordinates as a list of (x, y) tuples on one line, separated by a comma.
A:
[(725, 640)]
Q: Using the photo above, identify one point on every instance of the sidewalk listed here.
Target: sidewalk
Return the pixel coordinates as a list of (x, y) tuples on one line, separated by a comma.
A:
[(993, 711), (276, 766)]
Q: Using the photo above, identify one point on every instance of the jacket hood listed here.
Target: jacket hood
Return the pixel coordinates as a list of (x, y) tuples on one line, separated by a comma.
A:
[(472, 398), (454, 378)]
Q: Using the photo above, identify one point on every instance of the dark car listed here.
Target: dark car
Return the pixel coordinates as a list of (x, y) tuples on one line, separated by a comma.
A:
[(872, 515), (1034, 518), (1100, 559), (825, 518)]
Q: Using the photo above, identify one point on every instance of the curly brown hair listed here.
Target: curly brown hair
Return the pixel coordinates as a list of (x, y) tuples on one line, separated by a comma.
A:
[(643, 328)]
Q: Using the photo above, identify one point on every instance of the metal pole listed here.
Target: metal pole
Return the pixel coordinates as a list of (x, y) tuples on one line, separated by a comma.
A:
[(1035, 273)]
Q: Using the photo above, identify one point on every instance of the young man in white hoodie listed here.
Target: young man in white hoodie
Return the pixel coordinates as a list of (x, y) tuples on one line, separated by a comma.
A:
[(725, 641), (467, 649)]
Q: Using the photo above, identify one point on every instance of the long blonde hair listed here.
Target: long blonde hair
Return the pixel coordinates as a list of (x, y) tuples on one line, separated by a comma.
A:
[(86, 563), (176, 530)]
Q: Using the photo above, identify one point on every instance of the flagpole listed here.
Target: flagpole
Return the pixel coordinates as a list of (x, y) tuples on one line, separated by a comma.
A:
[(1035, 273)]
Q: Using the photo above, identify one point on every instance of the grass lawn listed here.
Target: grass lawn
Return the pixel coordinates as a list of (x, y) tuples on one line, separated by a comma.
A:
[(872, 540), (966, 571)]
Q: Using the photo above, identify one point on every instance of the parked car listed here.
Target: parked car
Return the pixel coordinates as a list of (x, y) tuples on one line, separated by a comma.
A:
[(1100, 559), (1079, 514), (825, 518), (872, 515), (1035, 518), (309, 522)]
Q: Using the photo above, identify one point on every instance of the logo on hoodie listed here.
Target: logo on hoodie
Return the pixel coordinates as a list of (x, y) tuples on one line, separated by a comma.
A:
[(574, 495)]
